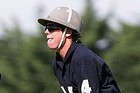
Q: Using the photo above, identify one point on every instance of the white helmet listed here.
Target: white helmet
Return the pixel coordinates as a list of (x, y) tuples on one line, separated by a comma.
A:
[(64, 16)]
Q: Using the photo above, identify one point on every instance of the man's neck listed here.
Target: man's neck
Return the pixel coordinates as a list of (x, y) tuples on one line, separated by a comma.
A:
[(64, 49)]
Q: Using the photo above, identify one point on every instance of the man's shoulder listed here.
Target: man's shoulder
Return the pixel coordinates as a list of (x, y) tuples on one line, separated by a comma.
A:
[(83, 51), (84, 55)]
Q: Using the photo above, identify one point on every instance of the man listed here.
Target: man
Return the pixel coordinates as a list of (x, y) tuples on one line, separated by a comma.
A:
[(76, 67)]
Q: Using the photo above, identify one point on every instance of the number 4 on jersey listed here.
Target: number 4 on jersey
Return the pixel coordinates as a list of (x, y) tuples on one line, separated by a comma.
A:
[(85, 87)]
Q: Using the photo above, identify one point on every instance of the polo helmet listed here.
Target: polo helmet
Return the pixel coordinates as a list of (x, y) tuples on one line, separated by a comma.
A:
[(64, 16)]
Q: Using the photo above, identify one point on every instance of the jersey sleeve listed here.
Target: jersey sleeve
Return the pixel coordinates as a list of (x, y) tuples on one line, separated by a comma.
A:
[(107, 81), (86, 76), (94, 76)]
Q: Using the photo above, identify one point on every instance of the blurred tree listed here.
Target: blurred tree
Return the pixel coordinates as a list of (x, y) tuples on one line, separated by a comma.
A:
[(124, 59), (25, 64), (96, 33)]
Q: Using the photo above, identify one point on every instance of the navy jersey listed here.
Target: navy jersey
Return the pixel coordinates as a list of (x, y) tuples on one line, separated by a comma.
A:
[(82, 71)]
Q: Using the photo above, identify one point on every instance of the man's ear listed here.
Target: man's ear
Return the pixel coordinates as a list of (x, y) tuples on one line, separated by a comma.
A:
[(69, 33)]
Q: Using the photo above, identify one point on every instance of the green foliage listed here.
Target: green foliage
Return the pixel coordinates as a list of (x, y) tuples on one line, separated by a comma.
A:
[(124, 59), (25, 64), (94, 30)]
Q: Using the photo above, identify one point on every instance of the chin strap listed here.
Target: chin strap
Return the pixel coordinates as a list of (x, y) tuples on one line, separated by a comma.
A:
[(62, 39), (65, 30)]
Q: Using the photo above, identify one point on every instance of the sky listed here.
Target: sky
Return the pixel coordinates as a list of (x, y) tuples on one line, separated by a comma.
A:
[(25, 11)]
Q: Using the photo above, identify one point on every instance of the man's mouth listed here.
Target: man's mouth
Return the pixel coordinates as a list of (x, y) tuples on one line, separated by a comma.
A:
[(49, 39)]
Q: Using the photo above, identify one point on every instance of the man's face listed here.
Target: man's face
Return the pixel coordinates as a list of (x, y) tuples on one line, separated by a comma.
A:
[(53, 33)]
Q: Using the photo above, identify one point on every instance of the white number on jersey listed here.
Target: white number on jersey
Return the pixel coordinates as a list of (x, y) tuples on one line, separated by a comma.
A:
[(69, 89), (63, 89), (85, 87)]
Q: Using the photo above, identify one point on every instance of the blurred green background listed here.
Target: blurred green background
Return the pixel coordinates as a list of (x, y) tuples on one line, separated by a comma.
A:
[(25, 60)]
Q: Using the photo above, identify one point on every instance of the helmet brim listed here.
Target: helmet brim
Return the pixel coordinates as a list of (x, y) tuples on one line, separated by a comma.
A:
[(45, 21)]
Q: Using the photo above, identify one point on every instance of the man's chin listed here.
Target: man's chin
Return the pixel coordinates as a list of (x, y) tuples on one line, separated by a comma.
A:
[(52, 48)]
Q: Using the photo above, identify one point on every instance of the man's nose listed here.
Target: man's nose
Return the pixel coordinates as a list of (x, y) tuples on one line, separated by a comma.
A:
[(47, 32)]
